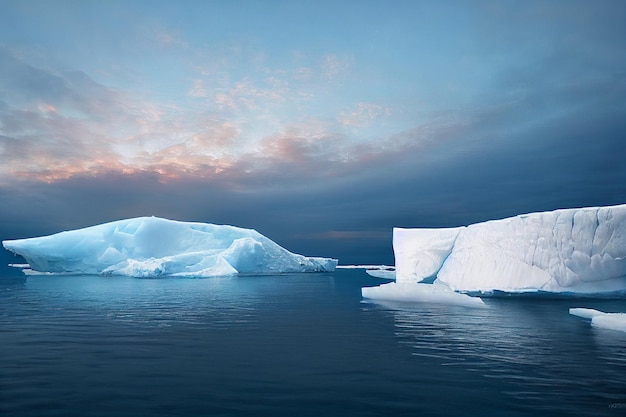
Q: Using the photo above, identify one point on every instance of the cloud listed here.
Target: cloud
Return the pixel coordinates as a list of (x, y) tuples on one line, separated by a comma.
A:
[(364, 114), (198, 89), (259, 123), (170, 39), (225, 101), (333, 65), (245, 95), (303, 73), (57, 125), (27, 87)]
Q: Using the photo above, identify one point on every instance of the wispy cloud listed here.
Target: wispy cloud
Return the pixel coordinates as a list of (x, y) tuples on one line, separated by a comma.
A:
[(302, 73), (169, 39), (246, 95), (198, 89), (334, 65), (364, 114)]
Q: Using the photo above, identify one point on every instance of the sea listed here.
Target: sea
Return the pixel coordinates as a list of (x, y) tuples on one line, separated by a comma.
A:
[(296, 345)]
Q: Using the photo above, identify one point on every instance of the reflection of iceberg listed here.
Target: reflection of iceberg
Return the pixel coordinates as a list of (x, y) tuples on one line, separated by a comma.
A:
[(612, 321), (150, 246), (572, 250)]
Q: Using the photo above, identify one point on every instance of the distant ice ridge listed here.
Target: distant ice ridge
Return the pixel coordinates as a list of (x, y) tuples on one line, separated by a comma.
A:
[(369, 267), (612, 321), (377, 271), (570, 250), (152, 246)]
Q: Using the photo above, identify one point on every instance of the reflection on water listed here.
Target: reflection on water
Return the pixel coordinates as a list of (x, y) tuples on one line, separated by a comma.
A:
[(219, 301), (298, 344), (531, 347)]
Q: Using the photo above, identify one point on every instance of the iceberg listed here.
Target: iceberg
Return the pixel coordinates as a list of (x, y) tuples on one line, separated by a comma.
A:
[(568, 250), (600, 319), (152, 246)]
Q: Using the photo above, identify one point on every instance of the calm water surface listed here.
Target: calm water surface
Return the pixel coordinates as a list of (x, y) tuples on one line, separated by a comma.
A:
[(295, 345)]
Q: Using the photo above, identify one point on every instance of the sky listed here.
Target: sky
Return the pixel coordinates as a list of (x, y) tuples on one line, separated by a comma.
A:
[(321, 124)]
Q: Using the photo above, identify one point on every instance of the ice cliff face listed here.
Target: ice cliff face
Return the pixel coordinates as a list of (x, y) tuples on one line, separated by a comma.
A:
[(150, 246), (578, 250)]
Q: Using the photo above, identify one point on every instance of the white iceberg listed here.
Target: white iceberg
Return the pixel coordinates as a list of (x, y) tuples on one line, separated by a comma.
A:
[(569, 250), (422, 293), (151, 246), (600, 319)]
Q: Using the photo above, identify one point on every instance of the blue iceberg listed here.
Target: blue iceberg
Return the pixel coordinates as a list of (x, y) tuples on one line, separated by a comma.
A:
[(152, 246)]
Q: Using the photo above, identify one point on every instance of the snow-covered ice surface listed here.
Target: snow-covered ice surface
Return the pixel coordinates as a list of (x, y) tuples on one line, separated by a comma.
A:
[(421, 293), (152, 246), (570, 250), (612, 321), (420, 253)]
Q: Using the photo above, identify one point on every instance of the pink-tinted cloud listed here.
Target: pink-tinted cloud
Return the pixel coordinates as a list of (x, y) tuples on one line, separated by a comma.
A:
[(245, 95), (71, 125)]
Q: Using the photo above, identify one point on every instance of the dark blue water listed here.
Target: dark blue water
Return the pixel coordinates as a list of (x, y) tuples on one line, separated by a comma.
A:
[(295, 345)]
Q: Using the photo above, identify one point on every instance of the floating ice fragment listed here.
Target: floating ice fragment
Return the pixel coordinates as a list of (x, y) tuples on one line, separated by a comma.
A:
[(382, 273), (422, 293), (611, 321), (585, 313), (600, 319)]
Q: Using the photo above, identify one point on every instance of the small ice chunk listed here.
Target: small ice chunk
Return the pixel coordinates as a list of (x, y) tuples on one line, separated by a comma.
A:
[(600, 319), (585, 313), (611, 321), (423, 293), (382, 273)]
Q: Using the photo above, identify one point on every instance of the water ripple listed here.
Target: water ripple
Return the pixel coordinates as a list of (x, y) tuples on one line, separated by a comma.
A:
[(294, 345)]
